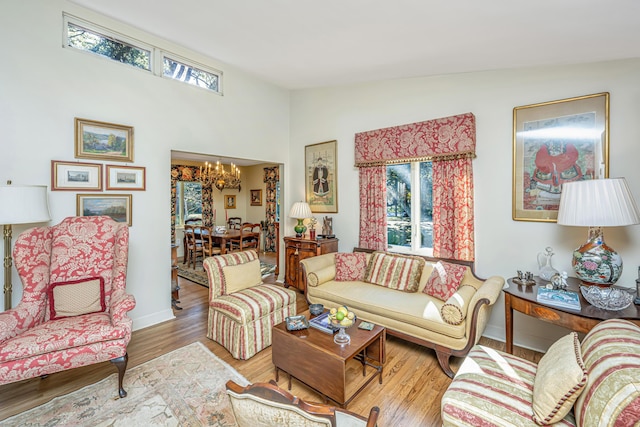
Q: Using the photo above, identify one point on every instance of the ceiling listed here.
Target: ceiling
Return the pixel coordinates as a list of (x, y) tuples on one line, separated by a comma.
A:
[(298, 44)]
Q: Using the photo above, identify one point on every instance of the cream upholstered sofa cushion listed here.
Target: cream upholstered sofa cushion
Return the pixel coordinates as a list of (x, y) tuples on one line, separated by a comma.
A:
[(242, 276), (322, 275), (560, 378)]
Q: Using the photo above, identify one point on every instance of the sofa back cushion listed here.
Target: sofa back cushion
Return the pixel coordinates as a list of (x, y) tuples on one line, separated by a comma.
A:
[(445, 279), (611, 354), (560, 378), (214, 267), (350, 266), (395, 271)]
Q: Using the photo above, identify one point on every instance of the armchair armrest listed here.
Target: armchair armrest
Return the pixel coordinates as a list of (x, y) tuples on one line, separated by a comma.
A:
[(24, 316), (121, 303)]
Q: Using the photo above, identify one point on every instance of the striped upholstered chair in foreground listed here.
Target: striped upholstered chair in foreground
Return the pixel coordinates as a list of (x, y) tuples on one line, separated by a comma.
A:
[(242, 310), (589, 384)]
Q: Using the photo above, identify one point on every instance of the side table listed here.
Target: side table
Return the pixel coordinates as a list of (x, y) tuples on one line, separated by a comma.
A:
[(298, 248), (523, 299)]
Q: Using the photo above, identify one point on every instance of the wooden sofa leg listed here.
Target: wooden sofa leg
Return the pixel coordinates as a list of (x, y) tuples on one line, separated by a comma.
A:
[(443, 360), (121, 364)]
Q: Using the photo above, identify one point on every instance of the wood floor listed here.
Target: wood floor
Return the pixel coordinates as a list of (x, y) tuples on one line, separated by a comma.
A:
[(410, 394)]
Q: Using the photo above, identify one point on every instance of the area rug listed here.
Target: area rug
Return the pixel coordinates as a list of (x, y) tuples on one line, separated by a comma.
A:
[(199, 276), (185, 387)]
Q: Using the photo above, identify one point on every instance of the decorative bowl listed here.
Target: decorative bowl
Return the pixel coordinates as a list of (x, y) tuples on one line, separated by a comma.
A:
[(316, 309), (610, 298), (296, 323)]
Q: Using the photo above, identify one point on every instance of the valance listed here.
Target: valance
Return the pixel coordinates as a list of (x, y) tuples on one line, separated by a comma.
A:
[(446, 138)]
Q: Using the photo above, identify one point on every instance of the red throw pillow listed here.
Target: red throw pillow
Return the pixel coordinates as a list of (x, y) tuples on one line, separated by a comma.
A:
[(350, 266), (445, 280), (76, 297)]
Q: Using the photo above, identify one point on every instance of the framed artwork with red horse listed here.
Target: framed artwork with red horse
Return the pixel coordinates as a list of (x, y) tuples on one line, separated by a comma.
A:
[(553, 143)]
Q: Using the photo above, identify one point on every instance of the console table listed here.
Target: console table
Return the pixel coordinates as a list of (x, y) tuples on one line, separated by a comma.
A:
[(298, 248), (523, 299)]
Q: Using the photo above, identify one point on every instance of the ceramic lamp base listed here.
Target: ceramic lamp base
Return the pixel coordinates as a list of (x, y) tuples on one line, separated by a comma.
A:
[(300, 228), (595, 263)]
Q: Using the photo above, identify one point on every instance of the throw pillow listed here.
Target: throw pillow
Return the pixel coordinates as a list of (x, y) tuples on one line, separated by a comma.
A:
[(76, 297), (560, 378), (321, 276), (395, 271), (454, 311), (445, 279), (241, 276), (350, 266)]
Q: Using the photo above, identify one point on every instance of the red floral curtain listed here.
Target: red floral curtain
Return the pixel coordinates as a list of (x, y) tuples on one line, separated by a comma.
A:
[(447, 140), (373, 205)]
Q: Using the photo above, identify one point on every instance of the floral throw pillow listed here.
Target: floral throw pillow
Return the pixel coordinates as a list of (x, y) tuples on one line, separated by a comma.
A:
[(445, 280), (350, 266)]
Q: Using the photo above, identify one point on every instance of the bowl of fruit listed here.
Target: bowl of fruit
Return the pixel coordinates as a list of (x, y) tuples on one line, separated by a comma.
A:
[(342, 318)]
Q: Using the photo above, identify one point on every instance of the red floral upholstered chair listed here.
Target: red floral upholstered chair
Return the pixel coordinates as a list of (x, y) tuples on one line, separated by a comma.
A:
[(74, 305)]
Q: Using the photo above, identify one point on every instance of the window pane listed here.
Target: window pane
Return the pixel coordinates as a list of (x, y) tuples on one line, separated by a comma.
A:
[(188, 74), (92, 41), (426, 205), (399, 204), (190, 201)]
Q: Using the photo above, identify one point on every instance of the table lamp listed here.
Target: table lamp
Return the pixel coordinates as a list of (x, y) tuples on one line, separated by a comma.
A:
[(597, 204), (300, 211), (19, 204)]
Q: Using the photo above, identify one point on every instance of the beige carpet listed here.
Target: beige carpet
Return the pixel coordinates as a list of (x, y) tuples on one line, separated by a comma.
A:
[(199, 276), (185, 387)]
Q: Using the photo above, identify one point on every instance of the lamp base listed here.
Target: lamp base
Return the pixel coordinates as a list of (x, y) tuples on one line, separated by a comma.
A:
[(595, 263), (300, 228)]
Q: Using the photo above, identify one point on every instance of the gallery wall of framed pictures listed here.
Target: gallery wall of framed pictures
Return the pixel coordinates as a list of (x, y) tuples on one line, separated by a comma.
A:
[(97, 140)]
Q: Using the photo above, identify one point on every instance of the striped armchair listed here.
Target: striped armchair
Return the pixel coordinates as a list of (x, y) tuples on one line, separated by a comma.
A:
[(496, 389), (242, 310), (74, 304)]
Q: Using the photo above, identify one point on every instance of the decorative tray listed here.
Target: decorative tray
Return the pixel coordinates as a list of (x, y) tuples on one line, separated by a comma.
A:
[(296, 323), (525, 282)]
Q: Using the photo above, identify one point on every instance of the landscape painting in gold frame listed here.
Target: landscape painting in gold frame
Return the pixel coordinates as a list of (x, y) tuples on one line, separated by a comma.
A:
[(116, 206), (556, 142), (321, 176), (103, 141)]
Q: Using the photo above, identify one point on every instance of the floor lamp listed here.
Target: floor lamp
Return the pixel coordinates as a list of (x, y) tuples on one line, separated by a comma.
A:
[(19, 204)]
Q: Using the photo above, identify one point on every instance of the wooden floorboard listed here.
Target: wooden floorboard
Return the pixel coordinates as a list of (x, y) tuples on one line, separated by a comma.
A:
[(410, 394)]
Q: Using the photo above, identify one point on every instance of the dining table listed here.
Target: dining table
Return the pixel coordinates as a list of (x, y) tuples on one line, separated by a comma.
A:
[(221, 238)]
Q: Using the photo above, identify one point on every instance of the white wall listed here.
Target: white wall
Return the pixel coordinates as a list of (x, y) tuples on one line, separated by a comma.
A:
[(44, 86), (502, 245)]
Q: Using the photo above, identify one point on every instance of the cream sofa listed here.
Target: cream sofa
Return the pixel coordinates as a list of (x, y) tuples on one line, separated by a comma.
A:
[(414, 316), (591, 383)]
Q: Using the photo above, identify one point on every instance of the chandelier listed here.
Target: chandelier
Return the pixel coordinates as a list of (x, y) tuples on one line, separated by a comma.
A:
[(218, 177)]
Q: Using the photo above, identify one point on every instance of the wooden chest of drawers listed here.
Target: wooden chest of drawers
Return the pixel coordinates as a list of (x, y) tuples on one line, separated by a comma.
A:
[(296, 249)]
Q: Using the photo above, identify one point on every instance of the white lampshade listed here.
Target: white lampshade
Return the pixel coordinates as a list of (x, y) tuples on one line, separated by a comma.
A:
[(24, 204), (597, 203), (300, 210)]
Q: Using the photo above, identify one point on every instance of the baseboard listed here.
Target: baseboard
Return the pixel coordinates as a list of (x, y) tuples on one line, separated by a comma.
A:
[(528, 341), (153, 319)]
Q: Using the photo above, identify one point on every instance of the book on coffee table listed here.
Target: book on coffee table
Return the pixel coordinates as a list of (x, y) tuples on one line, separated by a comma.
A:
[(321, 323)]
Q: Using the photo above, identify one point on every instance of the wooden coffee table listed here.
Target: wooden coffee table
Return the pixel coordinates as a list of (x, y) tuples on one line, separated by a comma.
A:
[(313, 358)]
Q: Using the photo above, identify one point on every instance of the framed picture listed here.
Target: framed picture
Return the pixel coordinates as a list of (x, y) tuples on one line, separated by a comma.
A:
[(117, 206), (70, 176), (126, 178), (103, 141), (256, 197), (321, 176), (556, 142), (229, 201)]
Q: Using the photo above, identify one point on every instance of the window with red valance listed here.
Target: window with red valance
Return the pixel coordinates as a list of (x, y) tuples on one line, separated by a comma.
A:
[(449, 143)]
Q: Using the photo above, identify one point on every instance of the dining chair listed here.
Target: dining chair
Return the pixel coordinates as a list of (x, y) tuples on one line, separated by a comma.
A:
[(192, 244), (249, 238), (208, 246), (234, 223)]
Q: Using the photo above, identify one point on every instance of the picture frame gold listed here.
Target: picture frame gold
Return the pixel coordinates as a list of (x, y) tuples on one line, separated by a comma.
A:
[(555, 142), (129, 178), (256, 197), (103, 141), (75, 176), (229, 201), (116, 206), (321, 176)]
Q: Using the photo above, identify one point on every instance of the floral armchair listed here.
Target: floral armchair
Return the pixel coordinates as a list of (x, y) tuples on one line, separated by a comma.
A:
[(74, 306)]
